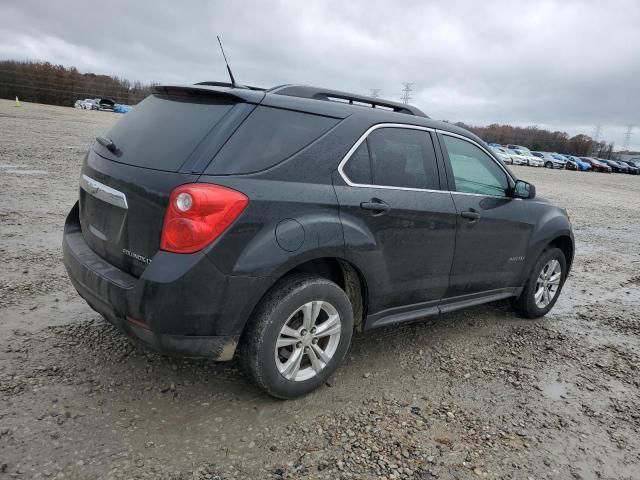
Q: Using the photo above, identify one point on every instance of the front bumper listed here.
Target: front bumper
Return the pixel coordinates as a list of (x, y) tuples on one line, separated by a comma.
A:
[(181, 304)]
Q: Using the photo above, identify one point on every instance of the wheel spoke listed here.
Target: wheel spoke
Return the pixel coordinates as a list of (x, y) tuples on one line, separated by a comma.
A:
[(290, 332), (538, 294), (310, 312), (286, 342), (315, 312), (330, 326), (547, 297), (316, 364), (555, 278), (321, 353), (292, 365)]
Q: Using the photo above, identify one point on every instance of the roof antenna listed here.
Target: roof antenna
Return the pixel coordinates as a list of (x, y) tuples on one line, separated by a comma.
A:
[(233, 80)]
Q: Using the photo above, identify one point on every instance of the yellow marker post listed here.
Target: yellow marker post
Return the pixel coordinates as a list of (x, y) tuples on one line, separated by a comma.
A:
[(17, 102)]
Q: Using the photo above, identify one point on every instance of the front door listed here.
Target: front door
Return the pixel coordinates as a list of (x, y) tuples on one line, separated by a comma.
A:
[(399, 226), (493, 230)]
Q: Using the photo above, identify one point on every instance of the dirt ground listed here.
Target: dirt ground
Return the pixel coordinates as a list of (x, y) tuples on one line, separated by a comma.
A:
[(475, 394)]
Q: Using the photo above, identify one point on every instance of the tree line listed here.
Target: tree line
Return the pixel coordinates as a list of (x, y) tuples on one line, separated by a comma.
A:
[(43, 82), (538, 139)]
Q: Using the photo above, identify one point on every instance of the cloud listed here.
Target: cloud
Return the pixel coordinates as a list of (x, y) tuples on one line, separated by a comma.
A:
[(565, 64)]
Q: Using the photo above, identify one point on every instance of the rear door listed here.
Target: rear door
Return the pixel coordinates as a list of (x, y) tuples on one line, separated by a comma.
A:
[(128, 175), (399, 227), (493, 229)]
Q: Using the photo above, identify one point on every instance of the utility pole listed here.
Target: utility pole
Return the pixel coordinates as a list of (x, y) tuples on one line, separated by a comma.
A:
[(627, 138), (596, 134), (375, 93), (406, 91)]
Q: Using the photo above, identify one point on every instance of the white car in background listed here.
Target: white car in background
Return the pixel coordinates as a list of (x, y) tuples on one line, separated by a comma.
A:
[(518, 158), (86, 104), (532, 160), (502, 153)]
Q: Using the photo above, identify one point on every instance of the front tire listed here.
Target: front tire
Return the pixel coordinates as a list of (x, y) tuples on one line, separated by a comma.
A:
[(543, 286), (298, 336)]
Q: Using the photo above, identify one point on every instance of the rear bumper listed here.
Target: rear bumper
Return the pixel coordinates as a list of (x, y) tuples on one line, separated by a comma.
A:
[(181, 304)]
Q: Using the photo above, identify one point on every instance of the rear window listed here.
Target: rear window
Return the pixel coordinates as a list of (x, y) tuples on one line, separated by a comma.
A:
[(161, 132), (266, 138)]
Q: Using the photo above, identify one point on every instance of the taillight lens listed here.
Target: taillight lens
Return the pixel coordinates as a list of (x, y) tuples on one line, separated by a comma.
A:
[(197, 214)]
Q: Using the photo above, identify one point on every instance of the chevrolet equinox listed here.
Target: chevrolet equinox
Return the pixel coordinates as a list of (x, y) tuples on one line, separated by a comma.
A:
[(213, 219)]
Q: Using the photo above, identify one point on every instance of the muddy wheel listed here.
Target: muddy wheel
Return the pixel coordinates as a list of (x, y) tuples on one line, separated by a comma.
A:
[(298, 336), (543, 285)]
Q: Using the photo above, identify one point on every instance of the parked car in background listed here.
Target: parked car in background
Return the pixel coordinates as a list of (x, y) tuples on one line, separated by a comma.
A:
[(502, 153), (532, 160), (551, 160), (274, 222), (560, 158), (87, 104), (570, 165), (597, 165), (517, 158), (106, 104), (633, 168), (524, 152), (615, 166), (577, 163), (511, 146)]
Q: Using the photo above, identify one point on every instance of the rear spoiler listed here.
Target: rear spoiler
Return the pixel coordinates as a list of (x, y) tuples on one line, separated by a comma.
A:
[(237, 94)]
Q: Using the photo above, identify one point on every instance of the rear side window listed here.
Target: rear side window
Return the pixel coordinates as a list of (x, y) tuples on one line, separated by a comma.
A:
[(398, 157), (266, 138), (358, 168), (161, 132)]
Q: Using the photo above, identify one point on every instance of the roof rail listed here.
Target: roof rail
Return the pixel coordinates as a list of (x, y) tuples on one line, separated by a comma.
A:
[(315, 93)]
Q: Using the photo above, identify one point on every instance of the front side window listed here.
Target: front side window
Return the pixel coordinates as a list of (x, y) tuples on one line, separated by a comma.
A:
[(473, 170), (395, 157)]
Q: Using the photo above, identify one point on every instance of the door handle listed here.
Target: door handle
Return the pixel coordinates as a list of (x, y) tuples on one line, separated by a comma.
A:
[(470, 215), (377, 206)]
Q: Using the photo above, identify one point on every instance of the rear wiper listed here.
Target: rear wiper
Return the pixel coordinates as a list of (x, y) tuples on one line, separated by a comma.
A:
[(107, 143)]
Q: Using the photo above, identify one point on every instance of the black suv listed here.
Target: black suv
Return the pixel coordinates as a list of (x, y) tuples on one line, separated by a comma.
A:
[(278, 221)]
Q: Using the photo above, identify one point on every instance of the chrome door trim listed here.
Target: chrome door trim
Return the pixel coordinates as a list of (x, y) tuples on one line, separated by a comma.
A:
[(362, 139), (103, 192)]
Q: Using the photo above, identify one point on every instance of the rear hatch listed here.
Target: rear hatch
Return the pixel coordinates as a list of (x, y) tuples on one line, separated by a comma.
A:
[(129, 173)]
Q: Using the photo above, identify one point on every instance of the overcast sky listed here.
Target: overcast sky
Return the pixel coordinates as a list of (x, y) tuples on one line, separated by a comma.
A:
[(567, 65)]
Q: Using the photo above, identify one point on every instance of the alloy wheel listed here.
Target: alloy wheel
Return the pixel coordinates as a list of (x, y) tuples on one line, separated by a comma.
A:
[(307, 341), (548, 283)]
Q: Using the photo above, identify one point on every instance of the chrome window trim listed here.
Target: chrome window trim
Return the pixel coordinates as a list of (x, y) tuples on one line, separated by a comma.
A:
[(103, 192), (362, 138)]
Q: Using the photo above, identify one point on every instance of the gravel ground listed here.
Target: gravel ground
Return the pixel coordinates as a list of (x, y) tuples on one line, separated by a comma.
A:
[(475, 394)]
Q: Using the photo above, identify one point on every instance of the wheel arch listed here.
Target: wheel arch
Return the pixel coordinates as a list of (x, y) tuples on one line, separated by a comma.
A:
[(340, 271), (564, 243)]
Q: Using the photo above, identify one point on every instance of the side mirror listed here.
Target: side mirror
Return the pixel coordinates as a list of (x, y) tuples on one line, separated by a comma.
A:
[(524, 190)]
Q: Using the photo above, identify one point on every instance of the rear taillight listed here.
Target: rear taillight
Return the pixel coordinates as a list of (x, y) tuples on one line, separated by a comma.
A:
[(197, 214)]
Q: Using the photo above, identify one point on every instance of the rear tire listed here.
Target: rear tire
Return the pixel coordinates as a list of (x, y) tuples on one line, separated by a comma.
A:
[(549, 165), (298, 336), (543, 286)]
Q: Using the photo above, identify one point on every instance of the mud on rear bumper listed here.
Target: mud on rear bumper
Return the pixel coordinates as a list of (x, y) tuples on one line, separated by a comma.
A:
[(195, 311)]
